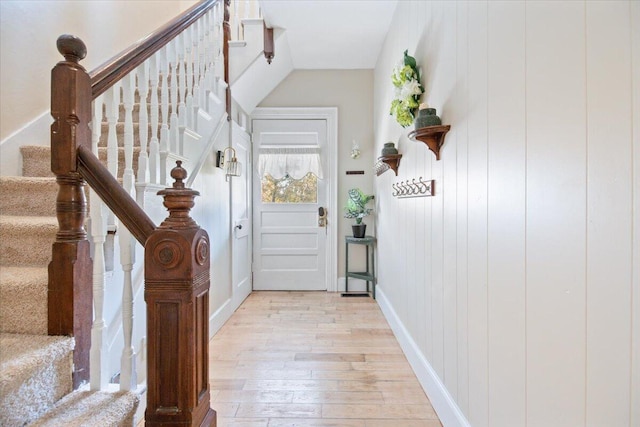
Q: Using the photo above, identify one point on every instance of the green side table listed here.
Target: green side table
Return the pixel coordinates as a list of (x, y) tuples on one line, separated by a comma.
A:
[(369, 275)]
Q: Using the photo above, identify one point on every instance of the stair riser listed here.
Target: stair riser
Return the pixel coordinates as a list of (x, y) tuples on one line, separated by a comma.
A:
[(24, 308), (26, 245), (28, 396), (28, 198), (37, 163), (21, 405)]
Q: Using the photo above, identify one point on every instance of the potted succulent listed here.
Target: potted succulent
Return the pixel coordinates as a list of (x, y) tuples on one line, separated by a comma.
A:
[(356, 208)]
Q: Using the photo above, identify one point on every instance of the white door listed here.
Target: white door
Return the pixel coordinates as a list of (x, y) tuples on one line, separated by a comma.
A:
[(241, 218), (289, 241)]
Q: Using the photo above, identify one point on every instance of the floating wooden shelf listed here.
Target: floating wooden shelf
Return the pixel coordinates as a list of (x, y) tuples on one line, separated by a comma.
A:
[(390, 161), (393, 160), (432, 136)]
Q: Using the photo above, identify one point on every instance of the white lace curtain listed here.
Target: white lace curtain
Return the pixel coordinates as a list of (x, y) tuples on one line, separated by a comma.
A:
[(293, 161)]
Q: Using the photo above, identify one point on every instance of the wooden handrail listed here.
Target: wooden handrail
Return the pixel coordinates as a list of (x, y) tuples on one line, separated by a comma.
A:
[(115, 197), (107, 74)]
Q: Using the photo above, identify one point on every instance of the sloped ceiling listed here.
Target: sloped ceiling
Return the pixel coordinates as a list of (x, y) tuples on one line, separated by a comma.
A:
[(331, 34)]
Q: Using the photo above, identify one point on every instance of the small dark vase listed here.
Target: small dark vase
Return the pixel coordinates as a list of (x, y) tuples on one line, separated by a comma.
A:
[(389, 149), (427, 117), (359, 230)]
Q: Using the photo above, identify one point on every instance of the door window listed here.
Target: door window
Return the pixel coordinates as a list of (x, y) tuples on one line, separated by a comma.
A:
[(290, 190)]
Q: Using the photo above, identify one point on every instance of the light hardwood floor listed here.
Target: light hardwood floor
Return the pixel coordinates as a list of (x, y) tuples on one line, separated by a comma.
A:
[(313, 359)]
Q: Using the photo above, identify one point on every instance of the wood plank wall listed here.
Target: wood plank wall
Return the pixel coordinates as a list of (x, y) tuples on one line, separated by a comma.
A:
[(518, 282)]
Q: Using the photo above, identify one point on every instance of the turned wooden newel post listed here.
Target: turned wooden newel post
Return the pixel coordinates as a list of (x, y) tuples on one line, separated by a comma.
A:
[(70, 271), (177, 296)]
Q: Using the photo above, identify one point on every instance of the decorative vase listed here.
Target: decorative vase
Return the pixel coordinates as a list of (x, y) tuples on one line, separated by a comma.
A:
[(427, 117), (389, 149), (359, 230)]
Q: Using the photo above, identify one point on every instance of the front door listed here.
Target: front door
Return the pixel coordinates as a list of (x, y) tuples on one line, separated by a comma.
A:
[(290, 202)]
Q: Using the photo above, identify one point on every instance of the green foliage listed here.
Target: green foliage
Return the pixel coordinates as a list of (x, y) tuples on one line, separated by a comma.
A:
[(408, 89), (289, 190), (356, 202)]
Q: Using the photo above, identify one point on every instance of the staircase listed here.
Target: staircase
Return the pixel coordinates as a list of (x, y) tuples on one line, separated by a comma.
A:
[(36, 382), (35, 369)]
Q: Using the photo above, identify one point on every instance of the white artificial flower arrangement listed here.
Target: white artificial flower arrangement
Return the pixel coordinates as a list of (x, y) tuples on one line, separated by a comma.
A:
[(408, 89)]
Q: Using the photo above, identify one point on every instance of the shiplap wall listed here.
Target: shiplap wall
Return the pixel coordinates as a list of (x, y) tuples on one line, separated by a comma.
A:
[(519, 281)]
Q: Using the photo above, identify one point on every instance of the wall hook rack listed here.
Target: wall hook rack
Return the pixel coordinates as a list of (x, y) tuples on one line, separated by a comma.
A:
[(413, 188)]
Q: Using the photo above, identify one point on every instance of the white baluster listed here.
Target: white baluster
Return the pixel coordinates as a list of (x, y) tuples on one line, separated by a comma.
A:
[(129, 90), (198, 55), (205, 33), (247, 9), (173, 118), (127, 253), (209, 36), (99, 347), (128, 377), (154, 144), (219, 49), (212, 50), (182, 81), (112, 107), (189, 63), (143, 122), (164, 96), (112, 101), (236, 19)]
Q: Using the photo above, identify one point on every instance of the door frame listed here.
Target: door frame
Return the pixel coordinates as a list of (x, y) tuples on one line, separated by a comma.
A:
[(238, 294), (330, 115)]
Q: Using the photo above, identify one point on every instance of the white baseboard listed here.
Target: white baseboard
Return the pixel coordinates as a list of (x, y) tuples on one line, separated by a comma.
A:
[(445, 406), (221, 315)]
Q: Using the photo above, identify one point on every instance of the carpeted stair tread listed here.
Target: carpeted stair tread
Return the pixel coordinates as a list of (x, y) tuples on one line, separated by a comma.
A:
[(26, 240), (23, 300), (37, 160), (90, 409), (34, 196), (35, 372)]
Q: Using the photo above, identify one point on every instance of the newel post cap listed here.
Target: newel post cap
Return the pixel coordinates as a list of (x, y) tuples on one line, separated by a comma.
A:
[(72, 48), (179, 201)]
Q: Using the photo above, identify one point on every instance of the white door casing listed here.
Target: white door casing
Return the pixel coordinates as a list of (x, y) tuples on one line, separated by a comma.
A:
[(290, 250), (241, 234)]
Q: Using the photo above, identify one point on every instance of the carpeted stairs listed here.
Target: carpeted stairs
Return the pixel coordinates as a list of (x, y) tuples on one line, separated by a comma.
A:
[(35, 369)]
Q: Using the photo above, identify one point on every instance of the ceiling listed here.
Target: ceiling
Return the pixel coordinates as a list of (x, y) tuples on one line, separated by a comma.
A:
[(331, 34)]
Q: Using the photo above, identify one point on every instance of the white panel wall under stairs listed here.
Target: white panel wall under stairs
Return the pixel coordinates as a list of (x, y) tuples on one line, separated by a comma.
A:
[(260, 78), (243, 53)]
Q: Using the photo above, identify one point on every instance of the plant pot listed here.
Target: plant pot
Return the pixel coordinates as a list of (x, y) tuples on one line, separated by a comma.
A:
[(427, 117), (389, 149), (359, 230)]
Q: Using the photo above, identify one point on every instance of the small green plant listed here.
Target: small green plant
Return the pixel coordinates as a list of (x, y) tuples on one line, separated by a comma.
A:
[(356, 205)]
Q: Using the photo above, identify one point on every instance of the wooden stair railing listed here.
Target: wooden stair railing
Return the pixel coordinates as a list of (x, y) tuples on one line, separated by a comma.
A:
[(176, 252)]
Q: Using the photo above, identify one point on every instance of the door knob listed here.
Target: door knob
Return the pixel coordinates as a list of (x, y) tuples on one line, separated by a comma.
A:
[(322, 217)]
